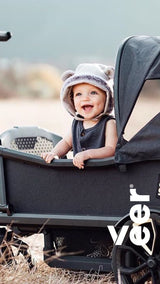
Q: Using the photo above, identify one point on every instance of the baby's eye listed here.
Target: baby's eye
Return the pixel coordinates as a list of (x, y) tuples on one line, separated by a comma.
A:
[(77, 94), (93, 93)]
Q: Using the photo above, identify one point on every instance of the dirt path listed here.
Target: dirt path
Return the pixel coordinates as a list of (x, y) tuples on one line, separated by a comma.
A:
[(47, 114)]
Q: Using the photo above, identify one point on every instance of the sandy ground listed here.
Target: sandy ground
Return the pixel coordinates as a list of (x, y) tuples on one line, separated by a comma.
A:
[(49, 114)]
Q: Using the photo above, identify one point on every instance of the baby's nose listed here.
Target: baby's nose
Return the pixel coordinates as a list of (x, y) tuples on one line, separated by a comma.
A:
[(86, 96)]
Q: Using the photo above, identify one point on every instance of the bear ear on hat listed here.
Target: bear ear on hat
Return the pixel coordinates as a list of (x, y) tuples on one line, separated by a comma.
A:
[(67, 74), (109, 71)]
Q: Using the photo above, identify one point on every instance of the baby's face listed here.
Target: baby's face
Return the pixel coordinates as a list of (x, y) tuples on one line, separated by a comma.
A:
[(89, 101)]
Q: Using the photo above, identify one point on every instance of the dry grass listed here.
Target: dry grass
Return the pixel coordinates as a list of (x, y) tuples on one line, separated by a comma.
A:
[(17, 270), (44, 274), (14, 267)]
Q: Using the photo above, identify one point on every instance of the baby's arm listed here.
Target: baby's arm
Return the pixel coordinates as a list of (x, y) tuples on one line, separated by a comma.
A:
[(107, 151), (60, 150)]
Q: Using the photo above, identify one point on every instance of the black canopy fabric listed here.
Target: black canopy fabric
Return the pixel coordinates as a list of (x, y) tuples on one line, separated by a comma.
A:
[(138, 60)]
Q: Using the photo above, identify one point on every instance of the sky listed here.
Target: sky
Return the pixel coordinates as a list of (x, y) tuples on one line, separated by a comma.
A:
[(68, 32)]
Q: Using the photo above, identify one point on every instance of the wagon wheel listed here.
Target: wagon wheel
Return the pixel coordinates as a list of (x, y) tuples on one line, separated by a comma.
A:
[(134, 264)]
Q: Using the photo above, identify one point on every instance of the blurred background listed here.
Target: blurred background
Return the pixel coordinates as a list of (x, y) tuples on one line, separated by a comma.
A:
[(50, 36)]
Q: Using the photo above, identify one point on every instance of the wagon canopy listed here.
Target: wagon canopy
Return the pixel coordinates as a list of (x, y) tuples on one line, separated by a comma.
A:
[(138, 60)]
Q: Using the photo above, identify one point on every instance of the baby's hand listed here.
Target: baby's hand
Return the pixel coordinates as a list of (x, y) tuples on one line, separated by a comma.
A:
[(78, 160), (48, 157)]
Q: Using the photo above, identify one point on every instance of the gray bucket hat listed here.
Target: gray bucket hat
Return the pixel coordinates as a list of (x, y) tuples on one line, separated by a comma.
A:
[(98, 75)]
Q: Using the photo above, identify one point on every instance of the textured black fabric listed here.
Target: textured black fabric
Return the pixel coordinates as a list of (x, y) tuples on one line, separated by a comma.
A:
[(143, 146), (91, 138), (138, 60)]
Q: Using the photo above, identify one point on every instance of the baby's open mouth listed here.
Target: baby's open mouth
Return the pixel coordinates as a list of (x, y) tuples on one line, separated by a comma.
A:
[(87, 107)]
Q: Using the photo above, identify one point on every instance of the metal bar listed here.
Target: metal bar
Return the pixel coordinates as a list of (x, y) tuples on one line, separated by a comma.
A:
[(58, 220), (4, 36), (21, 156), (2, 184), (3, 202)]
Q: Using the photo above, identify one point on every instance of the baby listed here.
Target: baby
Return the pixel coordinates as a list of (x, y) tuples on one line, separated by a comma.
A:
[(87, 95)]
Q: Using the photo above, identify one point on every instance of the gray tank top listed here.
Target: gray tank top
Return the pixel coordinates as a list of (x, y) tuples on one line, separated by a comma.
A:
[(90, 138)]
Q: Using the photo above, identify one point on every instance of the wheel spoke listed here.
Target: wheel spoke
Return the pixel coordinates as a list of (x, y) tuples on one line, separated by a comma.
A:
[(135, 252), (132, 270), (155, 277), (144, 278)]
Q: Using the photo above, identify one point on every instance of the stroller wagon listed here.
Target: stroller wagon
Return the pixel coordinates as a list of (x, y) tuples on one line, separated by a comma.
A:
[(75, 209)]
